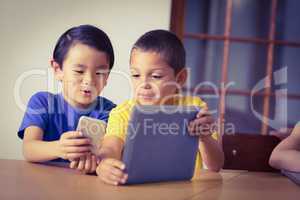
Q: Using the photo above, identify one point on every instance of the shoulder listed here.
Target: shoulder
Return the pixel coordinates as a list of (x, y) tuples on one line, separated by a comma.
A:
[(192, 101), (105, 103), (123, 108), (41, 99), (118, 120), (43, 102)]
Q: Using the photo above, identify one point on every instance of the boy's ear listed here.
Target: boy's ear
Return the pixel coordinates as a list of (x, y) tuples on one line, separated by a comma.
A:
[(58, 73), (181, 76)]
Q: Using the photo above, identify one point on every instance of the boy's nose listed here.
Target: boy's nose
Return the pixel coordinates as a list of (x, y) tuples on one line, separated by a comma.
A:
[(88, 79), (146, 85)]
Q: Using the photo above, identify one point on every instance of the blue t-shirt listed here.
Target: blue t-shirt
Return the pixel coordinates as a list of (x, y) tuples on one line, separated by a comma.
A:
[(55, 116)]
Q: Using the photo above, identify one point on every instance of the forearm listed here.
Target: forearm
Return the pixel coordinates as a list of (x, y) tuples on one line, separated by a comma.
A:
[(108, 152), (112, 147), (40, 151), (212, 153), (286, 159)]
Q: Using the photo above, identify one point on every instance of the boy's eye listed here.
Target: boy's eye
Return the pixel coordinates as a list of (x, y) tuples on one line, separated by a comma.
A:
[(101, 73), (79, 71), (157, 76), (135, 75)]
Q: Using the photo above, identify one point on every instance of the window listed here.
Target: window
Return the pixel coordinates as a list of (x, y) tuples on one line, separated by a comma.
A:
[(248, 52)]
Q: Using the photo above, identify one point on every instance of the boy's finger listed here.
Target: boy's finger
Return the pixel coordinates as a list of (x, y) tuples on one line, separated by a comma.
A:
[(88, 164), (79, 149), (205, 133), (94, 164), (72, 160), (81, 164), (192, 126), (117, 172), (115, 179), (74, 155), (72, 135), (98, 160), (124, 179), (77, 142), (73, 164), (202, 120), (116, 163), (98, 169), (196, 129), (203, 114), (119, 175), (203, 111), (108, 181)]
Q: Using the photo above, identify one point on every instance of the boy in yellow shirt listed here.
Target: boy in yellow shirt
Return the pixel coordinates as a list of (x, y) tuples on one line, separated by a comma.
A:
[(157, 67)]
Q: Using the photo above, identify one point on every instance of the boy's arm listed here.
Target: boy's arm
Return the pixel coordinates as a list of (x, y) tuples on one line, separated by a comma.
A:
[(112, 147), (287, 154), (110, 169), (37, 150), (211, 153)]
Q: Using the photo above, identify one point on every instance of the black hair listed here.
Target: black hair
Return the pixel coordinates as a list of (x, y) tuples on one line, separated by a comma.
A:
[(166, 44), (84, 34)]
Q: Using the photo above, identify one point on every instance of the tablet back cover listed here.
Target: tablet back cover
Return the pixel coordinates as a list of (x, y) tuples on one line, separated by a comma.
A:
[(158, 146)]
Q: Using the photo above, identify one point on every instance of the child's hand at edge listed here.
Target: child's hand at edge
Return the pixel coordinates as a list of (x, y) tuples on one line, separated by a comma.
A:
[(111, 171)]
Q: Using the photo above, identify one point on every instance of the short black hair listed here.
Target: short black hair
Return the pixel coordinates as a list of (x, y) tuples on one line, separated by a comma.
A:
[(165, 43), (84, 34)]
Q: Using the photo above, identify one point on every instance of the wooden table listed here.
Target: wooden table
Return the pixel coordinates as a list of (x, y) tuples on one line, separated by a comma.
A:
[(22, 180)]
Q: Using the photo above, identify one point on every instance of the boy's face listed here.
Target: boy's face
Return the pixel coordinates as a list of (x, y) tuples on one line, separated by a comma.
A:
[(84, 74), (154, 81)]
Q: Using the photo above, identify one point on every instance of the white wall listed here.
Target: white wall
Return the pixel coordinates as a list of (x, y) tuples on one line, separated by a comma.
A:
[(29, 30)]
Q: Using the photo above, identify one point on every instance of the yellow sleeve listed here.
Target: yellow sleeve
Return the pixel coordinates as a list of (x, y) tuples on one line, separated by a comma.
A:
[(197, 101), (118, 121)]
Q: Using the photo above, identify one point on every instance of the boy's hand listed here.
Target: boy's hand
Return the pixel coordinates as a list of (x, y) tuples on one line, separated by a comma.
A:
[(86, 164), (202, 126), (111, 172), (72, 145)]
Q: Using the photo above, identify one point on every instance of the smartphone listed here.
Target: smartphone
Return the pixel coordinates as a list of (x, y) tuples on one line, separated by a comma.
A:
[(94, 129)]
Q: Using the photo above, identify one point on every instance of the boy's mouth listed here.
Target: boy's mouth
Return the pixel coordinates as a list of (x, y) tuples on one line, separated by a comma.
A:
[(87, 92), (147, 96)]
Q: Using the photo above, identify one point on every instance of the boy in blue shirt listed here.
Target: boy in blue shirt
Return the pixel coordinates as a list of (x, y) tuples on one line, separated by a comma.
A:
[(82, 60)]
